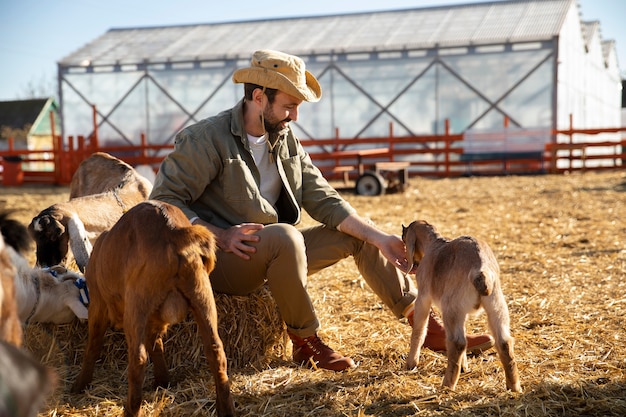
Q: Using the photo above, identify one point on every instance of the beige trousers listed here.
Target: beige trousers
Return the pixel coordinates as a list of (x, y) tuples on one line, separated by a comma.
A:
[(286, 256)]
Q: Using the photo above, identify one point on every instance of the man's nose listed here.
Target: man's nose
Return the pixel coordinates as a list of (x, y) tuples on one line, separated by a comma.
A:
[(293, 114)]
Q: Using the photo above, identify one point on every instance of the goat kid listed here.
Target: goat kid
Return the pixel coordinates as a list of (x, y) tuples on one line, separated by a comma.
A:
[(459, 276), (145, 274), (48, 295)]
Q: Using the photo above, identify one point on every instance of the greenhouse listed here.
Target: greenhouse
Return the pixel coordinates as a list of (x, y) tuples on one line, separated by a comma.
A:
[(531, 63)]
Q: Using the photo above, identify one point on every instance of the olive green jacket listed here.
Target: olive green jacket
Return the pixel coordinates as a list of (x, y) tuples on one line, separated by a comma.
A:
[(211, 174)]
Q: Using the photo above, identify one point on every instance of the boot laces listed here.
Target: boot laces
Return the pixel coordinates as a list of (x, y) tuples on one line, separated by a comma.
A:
[(315, 344)]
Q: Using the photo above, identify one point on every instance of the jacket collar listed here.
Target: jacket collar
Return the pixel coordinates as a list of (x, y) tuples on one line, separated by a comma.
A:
[(237, 127)]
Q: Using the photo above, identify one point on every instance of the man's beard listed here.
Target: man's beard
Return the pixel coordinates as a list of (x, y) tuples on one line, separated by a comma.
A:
[(273, 129)]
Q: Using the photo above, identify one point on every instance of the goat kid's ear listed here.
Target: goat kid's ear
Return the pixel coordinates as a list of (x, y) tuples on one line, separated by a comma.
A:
[(50, 227), (59, 269), (410, 250)]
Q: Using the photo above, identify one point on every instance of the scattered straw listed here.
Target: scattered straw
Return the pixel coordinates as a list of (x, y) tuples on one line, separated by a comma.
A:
[(560, 242)]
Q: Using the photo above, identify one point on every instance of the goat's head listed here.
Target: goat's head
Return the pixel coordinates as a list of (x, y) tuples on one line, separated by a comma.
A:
[(49, 231), (415, 237)]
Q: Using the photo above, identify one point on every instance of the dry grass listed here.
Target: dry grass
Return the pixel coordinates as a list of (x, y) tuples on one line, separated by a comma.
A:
[(560, 242)]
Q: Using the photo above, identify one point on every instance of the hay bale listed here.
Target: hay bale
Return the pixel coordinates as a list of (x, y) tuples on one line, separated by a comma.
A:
[(250, 327)]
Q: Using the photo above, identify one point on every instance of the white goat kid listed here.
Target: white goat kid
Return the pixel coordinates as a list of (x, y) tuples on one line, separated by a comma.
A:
[(459, 276), (48, 295)]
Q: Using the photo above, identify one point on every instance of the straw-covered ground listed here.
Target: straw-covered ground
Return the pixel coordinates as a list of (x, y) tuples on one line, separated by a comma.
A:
[(560, 241)]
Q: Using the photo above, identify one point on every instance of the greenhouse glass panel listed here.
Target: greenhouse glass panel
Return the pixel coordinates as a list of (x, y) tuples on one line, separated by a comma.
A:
[(530, 104), (416, 107), (505, 70), (127, 120)]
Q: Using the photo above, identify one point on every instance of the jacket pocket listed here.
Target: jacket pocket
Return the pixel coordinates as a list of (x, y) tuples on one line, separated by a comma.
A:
[(238, 182)]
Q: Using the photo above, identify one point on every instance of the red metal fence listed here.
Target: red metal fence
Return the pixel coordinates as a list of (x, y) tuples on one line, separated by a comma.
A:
[(428, 155)]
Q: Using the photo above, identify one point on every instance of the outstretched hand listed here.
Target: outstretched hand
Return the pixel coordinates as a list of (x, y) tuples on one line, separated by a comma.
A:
[(392, 247)]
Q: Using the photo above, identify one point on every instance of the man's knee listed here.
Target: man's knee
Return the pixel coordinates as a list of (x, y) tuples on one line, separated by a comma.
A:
[(285, 235)]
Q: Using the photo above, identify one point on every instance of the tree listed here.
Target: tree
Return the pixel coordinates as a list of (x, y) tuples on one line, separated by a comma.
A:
[(43, 87), (18, 135)]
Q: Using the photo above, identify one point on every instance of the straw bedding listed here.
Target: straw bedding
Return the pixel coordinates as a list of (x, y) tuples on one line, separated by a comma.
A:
[(560, 242)]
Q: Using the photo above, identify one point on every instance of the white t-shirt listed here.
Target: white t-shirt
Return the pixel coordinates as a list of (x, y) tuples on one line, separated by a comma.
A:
[(270, 180)]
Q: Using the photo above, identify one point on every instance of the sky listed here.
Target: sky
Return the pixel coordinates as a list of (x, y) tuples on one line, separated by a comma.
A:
[(36, 34)]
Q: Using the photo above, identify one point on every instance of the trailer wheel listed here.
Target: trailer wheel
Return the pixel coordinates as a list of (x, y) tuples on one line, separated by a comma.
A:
[(370, 183)]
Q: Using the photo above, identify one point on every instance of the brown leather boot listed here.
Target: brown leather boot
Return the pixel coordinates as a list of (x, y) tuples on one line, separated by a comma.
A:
[(323, 356), (436, 337)]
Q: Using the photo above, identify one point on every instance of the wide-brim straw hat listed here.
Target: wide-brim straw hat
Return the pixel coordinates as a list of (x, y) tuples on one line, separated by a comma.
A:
[(281, 71)]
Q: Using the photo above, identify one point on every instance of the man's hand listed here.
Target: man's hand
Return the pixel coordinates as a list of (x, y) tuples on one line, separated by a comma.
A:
[(392, 248), (235, 239)]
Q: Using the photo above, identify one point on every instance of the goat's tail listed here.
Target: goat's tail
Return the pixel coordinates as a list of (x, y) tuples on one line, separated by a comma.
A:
[(201, 241), (483, 283)]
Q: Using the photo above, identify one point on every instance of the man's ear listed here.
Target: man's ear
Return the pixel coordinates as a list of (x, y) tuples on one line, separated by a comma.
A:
[(259, 97)]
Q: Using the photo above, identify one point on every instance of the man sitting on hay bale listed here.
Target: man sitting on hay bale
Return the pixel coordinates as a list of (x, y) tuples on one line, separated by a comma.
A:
[(244, 175)]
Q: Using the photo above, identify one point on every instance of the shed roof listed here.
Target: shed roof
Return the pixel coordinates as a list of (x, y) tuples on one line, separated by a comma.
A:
[(19, 113), (392, 30)]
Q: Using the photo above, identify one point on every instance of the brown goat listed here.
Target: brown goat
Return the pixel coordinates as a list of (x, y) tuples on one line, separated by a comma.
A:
[(460, 276), (145, 274)]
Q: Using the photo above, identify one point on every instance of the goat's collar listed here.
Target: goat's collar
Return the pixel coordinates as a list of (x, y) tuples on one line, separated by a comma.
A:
[(81, 284), (38, 295), (119, 201)]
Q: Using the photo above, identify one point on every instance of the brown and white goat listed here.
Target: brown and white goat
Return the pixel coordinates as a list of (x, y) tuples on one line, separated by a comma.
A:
[(145, 274), (102, 189), (459, 276), (76, 224), (102, 172)]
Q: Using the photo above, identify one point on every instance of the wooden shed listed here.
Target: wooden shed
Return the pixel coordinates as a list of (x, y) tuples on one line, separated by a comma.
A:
[(28, 122)]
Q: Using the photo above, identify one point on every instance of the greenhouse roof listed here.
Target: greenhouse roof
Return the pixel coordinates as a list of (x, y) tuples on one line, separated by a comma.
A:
[(393, 30)]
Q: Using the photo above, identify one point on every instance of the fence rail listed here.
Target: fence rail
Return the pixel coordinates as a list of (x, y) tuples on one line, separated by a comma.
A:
[(428, 155)]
